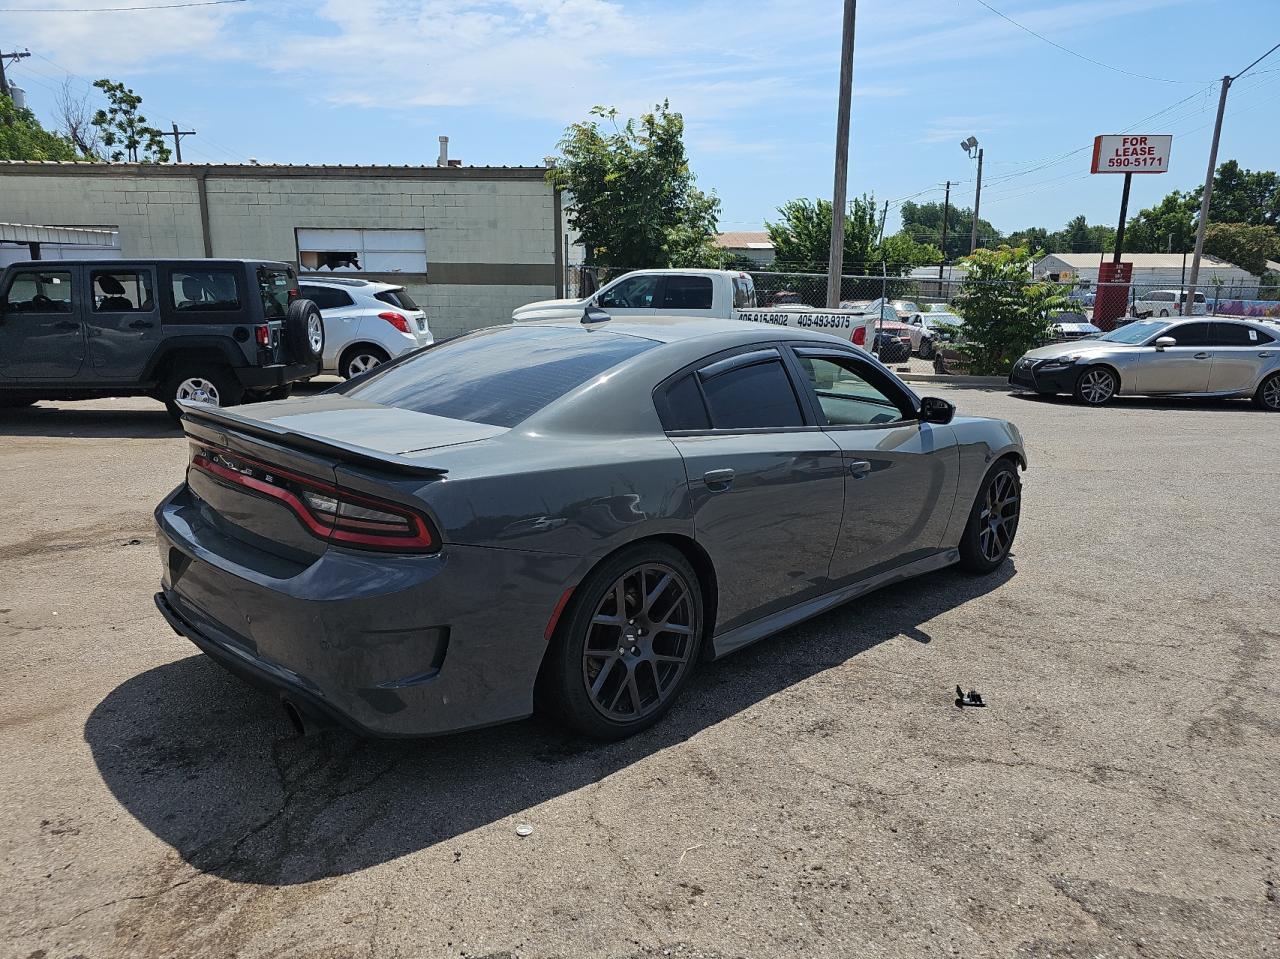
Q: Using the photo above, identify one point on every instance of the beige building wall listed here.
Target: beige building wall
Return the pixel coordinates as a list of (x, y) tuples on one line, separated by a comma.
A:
[(491, 232)]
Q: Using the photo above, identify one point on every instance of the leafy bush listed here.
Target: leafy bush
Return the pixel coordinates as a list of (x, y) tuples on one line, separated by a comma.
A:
[(1005, 311)]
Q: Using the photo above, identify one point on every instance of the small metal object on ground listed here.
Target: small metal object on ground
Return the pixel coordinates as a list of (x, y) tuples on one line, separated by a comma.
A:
[(524, 829), (971, 698)]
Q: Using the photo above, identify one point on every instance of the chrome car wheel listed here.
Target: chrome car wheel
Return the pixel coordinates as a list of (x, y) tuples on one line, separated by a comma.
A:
[(641, 637), (998, 520), (315, 333), (1270, 394), (362, 363), (1096, 386), (196, 389)]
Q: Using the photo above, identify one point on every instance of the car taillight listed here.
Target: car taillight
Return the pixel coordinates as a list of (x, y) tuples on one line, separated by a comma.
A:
[(396, 320), (263, 335), (860, 336), (293, 294), (328, 512)]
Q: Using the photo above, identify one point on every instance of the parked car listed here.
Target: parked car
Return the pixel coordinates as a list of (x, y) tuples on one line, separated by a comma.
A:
[(203, 331), (565, 515), (1160, 358), (894, 342), (709, 294), (1072, 326), (1162, 303), (365, 323)]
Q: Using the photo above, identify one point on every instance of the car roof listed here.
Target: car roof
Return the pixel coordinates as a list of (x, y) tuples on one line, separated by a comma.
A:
[(674, 329), (145, 261), (347, 282)]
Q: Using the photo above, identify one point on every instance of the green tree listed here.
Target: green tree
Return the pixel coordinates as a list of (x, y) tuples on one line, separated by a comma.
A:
[(631, 193), (1244, 196), (923, 223), (1005, 312), (1173, 217), (1248, 247), (23, 138), (125, 133), (802, 240)]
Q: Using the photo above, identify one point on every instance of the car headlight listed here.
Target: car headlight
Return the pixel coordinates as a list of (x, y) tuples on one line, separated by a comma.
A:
[(1058, 362)]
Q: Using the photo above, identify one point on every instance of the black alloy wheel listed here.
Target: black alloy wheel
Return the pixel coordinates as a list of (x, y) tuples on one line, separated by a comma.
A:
[(626, 644), (639, 644), (993, 521)]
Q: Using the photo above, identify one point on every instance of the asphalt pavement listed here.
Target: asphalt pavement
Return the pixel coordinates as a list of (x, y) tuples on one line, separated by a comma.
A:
[(818, 794)]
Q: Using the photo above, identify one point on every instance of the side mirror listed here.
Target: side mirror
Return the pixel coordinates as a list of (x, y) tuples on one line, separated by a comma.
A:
[(935, 410), (1164, 341)]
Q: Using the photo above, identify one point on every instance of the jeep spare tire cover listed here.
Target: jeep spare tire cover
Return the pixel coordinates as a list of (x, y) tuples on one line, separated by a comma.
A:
[(304, 332)]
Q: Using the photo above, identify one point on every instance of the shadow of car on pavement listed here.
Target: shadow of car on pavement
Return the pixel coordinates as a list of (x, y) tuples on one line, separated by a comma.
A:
[(203, 761)]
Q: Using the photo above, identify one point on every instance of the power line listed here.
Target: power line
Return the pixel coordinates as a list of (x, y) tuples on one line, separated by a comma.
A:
[(162, 6), (1080, 56), (1255, 63)]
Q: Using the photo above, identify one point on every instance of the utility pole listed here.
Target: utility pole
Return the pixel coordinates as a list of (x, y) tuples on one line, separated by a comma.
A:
[(1189, 291), (946, 212), (835, 261), (177, 140), (15, 56), (977, 201)]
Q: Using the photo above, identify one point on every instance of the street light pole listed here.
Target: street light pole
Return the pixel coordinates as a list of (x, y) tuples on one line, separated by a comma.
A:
[(835, 259), (977, 202), (1189, 291)]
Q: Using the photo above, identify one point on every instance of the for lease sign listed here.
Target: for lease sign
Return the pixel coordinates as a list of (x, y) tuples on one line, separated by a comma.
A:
[(1131, 153)]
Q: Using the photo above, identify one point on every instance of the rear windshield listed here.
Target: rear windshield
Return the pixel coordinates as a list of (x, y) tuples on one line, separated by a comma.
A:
[(501, 376), (398, 298)]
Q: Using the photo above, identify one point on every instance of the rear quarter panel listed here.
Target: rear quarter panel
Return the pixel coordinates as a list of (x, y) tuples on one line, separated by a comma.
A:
[(980, 443)]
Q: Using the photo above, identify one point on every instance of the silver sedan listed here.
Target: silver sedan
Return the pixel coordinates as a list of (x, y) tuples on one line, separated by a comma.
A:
[(1193, 357)]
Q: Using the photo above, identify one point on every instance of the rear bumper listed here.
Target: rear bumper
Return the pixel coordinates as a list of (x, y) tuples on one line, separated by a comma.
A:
[(278, 374), (386, 645)]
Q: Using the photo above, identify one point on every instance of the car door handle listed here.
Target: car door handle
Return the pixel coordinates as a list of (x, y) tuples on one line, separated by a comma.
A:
[(141, 325), (66, 326), (718, 480), (859, 468), (1265, 355), (1202, 356)]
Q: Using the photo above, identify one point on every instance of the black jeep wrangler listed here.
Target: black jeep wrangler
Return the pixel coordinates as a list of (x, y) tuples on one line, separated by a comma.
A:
[(207, 331)]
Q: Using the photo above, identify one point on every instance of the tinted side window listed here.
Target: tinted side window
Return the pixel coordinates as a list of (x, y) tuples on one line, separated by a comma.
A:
[(1190, 334), (118, 291), (744, 293), (680, 406), (325, 297), (755, 396), (40, 291), (398, 298), (687, 293), (205, 290), (1235, 334)]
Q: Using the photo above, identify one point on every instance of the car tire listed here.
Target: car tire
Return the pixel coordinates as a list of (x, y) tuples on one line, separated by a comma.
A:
[(1096, 386), (926, 349), (1164, 313), (304, 332), (198, 382), (993, 520), (1268, 395), (360, 359), (610, 680)]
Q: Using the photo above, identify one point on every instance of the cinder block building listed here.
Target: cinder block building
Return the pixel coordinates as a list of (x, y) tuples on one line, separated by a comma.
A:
[(469, 243)]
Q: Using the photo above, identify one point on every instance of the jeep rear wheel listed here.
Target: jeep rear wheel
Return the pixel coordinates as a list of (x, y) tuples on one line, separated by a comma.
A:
[(206, 383)]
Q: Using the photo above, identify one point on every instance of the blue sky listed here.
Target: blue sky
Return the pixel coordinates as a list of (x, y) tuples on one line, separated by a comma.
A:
[(376, 81)]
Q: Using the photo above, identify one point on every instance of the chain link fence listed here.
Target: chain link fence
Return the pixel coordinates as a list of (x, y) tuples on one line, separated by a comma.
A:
[(928, 294)]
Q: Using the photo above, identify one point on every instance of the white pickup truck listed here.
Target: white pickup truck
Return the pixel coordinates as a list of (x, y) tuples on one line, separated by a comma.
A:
[(716, 294)]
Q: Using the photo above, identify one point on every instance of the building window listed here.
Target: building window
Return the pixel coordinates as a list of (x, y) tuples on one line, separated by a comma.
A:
[(362, 251)]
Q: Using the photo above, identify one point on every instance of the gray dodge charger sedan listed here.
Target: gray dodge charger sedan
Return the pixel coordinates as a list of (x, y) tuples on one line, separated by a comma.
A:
[(564, 514), (1194, 357)]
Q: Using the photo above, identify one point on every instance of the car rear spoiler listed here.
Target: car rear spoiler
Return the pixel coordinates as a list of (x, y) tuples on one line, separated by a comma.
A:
[(357, 455)]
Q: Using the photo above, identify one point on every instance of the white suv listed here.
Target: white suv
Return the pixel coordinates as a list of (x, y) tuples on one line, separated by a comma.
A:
[(365, 323), (1167, 303)]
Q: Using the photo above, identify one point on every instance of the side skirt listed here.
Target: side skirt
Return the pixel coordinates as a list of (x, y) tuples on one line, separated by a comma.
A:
[(735, 639)]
